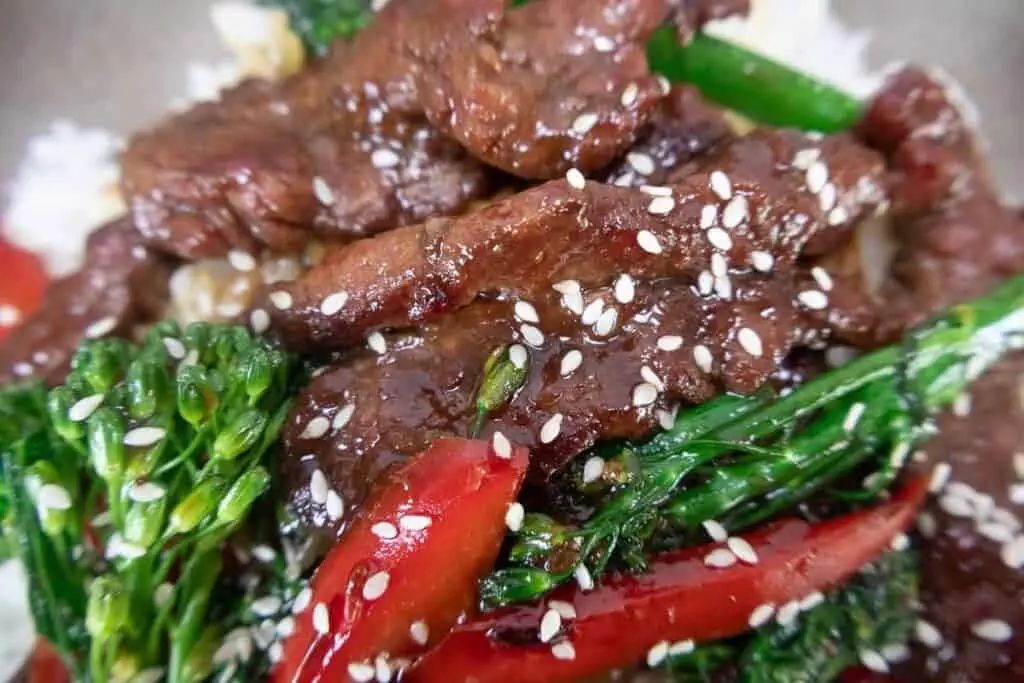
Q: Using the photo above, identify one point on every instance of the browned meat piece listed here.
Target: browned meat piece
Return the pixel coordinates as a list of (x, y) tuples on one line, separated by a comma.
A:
[(955, 238), (761, 201), (637, 350), (121, 285), (342, 149), (684, 127), (972, 626)]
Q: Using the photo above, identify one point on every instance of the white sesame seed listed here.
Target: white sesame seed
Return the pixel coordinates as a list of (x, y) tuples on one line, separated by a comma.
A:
[(1012, 553), (419, 632), (361, 672), (603, 44), (241, 261), (956, 506), (592, 312), (575, 179), (962, 405), (853, 416), (302, 601), (705, 282), (321, 619), (625, 289), (259, 320), (719, 267), (571, 361), (322, 191), (532, 335), (900, 542), (811, 601), (514, 515), (525, 311), (641, 163), (53, 497), (721, 185), (735, 212), (501, 445), (377, 343), (382, 668), (702, 356), (657, 654), (715, 531), (827, 197), (648, 242), (720, 558), (651, 377), (723, 287), (742, 549), (84, 408), (175, 349), (762, 261), (813, 299), (822, 277), (343, 416), (660, 206), (788, 613), (318, 487), (517, 354), (101, 328), (1016, 494), (927, 634), (995, 531), (584, 122), (817, 176), (663, 84), (656, 190), (551, 428), (940, 475), (384, 530), (23, 369), (384, 158), (926, 525), (316, 428), (667, 418), (670, 342), (550, 625), (566, 286), (1018, 464), (141, 437), (872, 659), (333, 303), (838, 216), (583, 578), (682, 647), (708, 216), (761, 615), (644, 394), (9, 315), (563, 650), (267, 606), (146, 492), (593, 468), (281, 300), (565, 609), (414, 522), (896, 653), (629, 94), (719, 239), (750, 341), (605, 325), (229, 309), (335, 506), (376, 585), (163, 593), (992, 630)]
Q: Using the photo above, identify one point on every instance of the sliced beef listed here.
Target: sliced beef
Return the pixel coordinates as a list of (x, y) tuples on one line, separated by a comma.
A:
[(614, 372), (750, 203), (121, 285), (342, 149)]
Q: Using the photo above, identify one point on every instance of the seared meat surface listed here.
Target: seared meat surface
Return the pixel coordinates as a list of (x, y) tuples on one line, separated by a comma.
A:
[(758, 203), (122, 284)]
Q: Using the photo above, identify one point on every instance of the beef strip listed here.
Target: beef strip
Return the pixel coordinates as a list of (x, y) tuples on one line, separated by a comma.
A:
[(342, 149), (556, 232), (120, 285), (394, 401)]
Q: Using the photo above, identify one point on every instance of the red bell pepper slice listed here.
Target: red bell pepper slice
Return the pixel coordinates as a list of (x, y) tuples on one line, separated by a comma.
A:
[(678, 598), (45, 665), (22, 281), (432, 530)]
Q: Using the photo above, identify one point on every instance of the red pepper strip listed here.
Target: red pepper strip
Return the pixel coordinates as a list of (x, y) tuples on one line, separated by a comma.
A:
[(22, 281), (45, 665), (414, 556), (678, 598)]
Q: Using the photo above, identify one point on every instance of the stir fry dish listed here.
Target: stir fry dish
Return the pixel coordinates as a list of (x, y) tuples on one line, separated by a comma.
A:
[(565, 342)]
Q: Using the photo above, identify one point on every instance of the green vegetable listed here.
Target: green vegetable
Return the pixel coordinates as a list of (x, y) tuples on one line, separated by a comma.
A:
[(755, 86), (320, 22), (175, 454), (741, 460), (503, 377)]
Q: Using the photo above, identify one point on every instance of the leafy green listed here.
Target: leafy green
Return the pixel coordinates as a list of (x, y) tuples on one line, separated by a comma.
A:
[(320, 22)]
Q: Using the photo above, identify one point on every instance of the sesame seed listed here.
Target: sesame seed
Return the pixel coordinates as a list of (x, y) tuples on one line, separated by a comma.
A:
[(550, 625), (735, 212), (762, 261), (625, 289), (838, 216), (896, 653), (811, 601), (335, 506), (750, 341), (648, 242), (644, 395), (720, 558), (719, 239), (565, 609), (927, 634), (525, 311), (1018, 464), (817, 176), (1012, 553), (9, 315), (593, 468), (241, 261), (719, 268), (517, 354), (414, 522), (384, 530), (715, 531), (333, 303), (376, 585), (302, 601), (656, 190), (575, 179), (993, 630), (53, 497), (1016, 494), (657, 654), (708, 216), (670, 342), (566, 286), (603, 44), (788, 613), (384, 158), (682, 647), (322, 191), (584, 122), (995, 531), (940, 475), (705, 283), (84, 408), (629, 94), (721, 185), (641, 163), (266, 606), (663, 84), (141, 437), (742, 549), (101, 328), (702, 356), (573, 301), (531, 335), (853, 416), (321, 619), (23, 369), (605, 325), (163, 593), (361, 672), (281, 300), (926, 525), (667, 418), (660, 206), (822, 277), (900, 542), (962, 405), (723, 287), (651, 377), (316, 428), (583, 578), (419, 632), (175, 349), (501, 445), (805, 157), (376, 342), (343, 416), (514, 517), (259, 320), (827, 197), (229, 309), (563, 650), (956, 506), (813, 299), (571, 361), (318, 487), (761, 615), (146, 492), (872, 659), (549, 432)]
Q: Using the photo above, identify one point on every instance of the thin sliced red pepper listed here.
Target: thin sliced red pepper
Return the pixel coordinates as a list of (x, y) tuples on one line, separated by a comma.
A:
[(45, 665), (461, 490), (22, 281), (678, 598)]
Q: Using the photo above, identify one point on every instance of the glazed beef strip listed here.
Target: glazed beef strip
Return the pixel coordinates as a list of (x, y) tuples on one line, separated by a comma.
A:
[(759, 203), (121, 284), (637, 350)]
